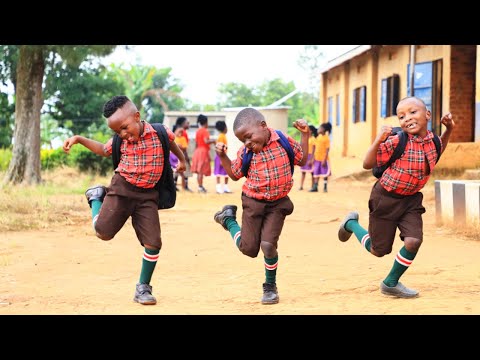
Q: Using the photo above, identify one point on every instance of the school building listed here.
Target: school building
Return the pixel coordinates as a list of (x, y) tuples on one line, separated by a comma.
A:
[(275, 115), (360, 89)]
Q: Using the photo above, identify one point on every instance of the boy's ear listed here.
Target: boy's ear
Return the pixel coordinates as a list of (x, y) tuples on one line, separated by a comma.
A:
[(428, 113)]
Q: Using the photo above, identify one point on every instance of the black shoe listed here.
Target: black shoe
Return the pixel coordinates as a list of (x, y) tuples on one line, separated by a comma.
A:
[(270, 294), (314, 189), (343, 233), (228, 212), (143, 295), (96, 192)]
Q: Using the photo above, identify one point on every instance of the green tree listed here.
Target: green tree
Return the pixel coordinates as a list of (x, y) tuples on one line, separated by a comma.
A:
[(32, 64), (311, 59), (8, 68), (75, 96), (153, 90), (7, 110), (235, 95)]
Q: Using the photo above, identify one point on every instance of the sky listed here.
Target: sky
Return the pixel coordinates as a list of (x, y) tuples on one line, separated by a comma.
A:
[(202, 68)]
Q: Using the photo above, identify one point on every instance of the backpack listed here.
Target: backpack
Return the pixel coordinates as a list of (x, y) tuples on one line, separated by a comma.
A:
[(377, 171), (247, 156), (167, 192)]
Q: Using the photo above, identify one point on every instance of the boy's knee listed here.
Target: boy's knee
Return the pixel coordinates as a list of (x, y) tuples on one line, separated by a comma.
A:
[(412, 244), (104, 237), (380, 252), (268, 249), (250, 252)]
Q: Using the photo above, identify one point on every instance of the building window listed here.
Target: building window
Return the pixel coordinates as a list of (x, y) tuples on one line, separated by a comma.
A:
[(390, 96), (330, 109), (337, 113), (423, 84), (360, 104)]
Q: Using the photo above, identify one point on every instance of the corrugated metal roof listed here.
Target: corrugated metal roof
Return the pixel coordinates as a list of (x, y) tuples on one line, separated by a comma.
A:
[(345, 57)]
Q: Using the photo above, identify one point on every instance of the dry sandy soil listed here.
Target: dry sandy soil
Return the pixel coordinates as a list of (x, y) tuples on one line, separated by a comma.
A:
[(67, 270)]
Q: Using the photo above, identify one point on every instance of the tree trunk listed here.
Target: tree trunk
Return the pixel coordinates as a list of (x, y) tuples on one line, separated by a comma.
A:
[(25, 164)]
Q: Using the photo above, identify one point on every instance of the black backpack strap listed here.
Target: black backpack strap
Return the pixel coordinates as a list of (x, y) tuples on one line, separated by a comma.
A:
[(246, 158), (377, 171), (438, 146), (399, 150), (163, 136), (116, 150), (288, 148)]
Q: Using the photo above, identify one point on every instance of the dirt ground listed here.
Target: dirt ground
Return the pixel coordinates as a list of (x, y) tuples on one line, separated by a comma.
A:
[(67, 270)]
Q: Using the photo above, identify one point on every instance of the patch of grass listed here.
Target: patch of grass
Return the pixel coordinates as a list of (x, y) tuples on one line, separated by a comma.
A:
[(59, 200)]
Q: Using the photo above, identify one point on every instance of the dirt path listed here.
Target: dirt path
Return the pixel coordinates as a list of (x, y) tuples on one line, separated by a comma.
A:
[(70, 271)]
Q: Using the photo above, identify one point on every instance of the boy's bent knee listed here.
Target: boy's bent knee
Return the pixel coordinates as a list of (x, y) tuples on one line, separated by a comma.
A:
[(380, 253), (412, 244), (250, 252), (104, 237), (269, 249)]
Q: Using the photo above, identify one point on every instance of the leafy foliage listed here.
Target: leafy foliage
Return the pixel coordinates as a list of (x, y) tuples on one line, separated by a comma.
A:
[(153, 90), (303, 104), (7, 110), (75, 97), (5, 157)]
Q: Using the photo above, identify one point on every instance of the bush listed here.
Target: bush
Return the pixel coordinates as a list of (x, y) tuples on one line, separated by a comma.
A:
[(87, 161), (52, 159), (5, 157)]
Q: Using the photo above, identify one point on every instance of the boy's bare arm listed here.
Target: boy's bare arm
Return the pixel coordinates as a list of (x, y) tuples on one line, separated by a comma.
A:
[(221, 150), (447, 120), (92, 145), (302, 126), (370, 159)]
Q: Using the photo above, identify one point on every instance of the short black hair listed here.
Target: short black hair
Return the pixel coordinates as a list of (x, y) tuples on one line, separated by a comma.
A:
[(245, 116), (221, 125), (313, 129), (327, 126), (179, 122), (114, 104), (202, 119)]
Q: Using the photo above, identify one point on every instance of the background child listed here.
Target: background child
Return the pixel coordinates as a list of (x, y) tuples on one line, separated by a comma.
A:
[(201, 161), (395, 200), (218, 169), (265, 200), (131, 191), (182, 145), (183, 123), (321, 161), (308, 167)]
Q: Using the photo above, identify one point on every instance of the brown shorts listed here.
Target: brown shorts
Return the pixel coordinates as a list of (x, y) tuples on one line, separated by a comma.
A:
[(262, 221), (389, 211), (124, 200)]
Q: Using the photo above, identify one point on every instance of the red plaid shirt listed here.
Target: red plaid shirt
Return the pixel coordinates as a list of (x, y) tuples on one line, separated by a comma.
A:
[(141, 163), (270, 176), (407, 175)]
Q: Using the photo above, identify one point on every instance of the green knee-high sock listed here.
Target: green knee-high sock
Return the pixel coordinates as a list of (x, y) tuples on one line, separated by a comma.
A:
[(96, 206), (235, 230), (150, 257), (271, 269), (361, 234), (402, 261)]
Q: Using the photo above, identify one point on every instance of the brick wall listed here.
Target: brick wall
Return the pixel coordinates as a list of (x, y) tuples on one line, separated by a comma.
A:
[(462, 91)]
